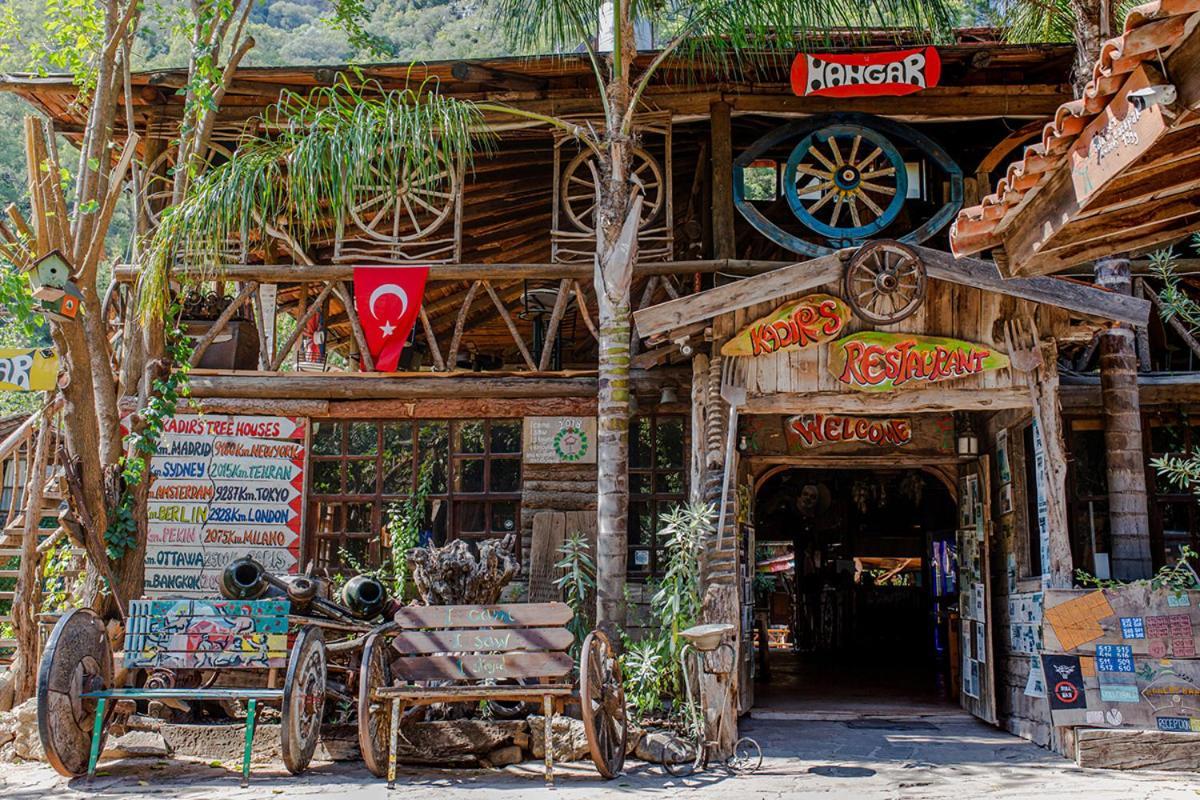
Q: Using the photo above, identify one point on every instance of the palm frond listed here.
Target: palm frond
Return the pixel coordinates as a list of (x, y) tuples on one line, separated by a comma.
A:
[(307, 170), (1037, 21)]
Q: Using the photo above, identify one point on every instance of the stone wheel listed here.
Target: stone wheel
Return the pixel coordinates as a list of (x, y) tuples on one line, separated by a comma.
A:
[(77, 659), (578, 189), (303, 699), (374, 716), (885, 282), (602, 698)]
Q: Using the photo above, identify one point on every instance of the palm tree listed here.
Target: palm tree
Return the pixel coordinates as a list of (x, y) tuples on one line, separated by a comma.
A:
[(715, 33)]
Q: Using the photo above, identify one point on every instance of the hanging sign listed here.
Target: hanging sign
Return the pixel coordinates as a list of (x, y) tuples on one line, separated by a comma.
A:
[(814, 430), (894, 73), (225, 487), (810, 320), (26, 369), (560, 440), (873, 361)]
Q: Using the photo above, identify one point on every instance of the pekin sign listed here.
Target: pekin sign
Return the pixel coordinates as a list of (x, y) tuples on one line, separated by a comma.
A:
[(811, 320), (872, 361), (894, 73)]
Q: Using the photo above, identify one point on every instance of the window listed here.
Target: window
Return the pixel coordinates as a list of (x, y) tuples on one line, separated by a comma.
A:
[(657, 481), (760, 180), (357, 468)]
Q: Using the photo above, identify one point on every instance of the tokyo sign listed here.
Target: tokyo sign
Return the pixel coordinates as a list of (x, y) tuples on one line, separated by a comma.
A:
[(894, 73)]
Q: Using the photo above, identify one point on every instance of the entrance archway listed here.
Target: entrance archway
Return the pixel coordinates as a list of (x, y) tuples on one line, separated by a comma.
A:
[(843, 591)]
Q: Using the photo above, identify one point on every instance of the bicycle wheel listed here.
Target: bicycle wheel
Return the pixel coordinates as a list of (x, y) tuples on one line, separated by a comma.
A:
[(747, 756)]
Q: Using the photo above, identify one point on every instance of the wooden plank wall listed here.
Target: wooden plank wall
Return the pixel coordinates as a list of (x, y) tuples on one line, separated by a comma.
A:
[(949, 310)]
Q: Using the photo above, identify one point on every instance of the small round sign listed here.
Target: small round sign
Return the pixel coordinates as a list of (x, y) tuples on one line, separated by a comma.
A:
[(1066, 692), (571, 443)]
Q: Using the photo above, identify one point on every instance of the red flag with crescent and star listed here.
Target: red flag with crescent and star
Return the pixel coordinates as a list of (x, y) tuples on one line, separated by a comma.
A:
[(387, 300)]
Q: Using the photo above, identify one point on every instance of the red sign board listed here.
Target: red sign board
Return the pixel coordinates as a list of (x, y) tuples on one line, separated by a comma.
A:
[(893, 73), (814, 430)]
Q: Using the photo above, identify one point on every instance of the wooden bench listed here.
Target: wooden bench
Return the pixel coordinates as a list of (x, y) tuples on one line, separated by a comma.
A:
[(470, 646), (201, 635)]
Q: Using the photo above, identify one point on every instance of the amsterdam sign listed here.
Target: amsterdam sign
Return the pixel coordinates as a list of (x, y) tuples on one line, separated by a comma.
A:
[(892, 73), (810, 320), (872, 361)]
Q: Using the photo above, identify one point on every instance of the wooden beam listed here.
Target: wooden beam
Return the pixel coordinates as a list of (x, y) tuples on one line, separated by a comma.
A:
[(721, 132), (439, 363), (912, 401), (774, 285), (376, 386), (463, 408), (1176, 324), (1066, 294), (364, 352), (475, 73), (1081, 392), (512, 326), (556, 315), (300, 323), (460, 324)]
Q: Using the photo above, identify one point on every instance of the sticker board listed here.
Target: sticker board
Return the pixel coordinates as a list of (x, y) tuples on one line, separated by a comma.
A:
[(224, 487), (560, 440)]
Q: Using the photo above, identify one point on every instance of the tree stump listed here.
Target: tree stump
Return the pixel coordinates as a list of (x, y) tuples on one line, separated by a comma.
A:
[(453, 575)]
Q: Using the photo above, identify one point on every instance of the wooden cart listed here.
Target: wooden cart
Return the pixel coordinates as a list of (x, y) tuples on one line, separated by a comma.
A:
[(516, 652)]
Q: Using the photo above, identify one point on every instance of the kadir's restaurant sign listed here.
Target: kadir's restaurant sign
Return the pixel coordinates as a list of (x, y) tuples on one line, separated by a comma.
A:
[(893, 73), (878, 362)]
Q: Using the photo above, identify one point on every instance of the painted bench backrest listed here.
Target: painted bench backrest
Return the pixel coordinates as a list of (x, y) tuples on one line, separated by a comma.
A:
[(207, 634), (466, 643)]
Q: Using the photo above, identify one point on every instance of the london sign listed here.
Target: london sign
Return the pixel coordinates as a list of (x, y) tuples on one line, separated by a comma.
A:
[(873, 361), (811, 320)]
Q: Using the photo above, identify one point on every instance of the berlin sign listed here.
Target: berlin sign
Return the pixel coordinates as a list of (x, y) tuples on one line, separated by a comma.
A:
[(873, 361), (894, 73), (810, 320)]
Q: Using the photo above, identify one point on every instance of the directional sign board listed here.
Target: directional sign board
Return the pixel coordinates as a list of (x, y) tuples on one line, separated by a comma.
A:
[(224, 487)]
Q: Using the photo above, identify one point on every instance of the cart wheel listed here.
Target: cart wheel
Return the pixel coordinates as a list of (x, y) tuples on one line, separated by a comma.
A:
[(602, 698), (747, 756), (77, 659), (374, 716), (303, 699), (885, 282)]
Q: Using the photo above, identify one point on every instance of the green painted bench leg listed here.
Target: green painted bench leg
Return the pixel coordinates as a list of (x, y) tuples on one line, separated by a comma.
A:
[(97, 730), (251, 707), (393, 743)]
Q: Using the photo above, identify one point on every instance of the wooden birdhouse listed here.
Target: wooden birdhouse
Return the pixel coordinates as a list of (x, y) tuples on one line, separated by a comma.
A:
[(64, 307), (49, 276)]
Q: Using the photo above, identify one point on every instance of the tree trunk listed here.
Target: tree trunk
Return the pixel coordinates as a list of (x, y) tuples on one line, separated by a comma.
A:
[(1128, 520), (1091, 28), (27, 595)]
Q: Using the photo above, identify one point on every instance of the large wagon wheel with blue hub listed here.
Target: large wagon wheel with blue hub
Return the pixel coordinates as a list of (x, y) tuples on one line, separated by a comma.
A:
[(602, 700), (78, 659), (885, 282), (846, 182), (303, 699)]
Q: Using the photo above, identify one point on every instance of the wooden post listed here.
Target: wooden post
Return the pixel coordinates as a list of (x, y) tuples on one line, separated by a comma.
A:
[(721, 129), (1044, 386), (697, 462), (1128, 517), (27, 594)]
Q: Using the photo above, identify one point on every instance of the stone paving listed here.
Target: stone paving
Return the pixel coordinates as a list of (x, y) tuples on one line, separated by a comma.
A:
[(939, 759)]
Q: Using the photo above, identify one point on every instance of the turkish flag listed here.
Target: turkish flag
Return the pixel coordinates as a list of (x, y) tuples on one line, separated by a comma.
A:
[(387, 300)]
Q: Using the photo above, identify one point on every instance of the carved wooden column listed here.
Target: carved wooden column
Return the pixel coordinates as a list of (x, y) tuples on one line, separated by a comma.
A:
[(1128, 519), (722, 181)]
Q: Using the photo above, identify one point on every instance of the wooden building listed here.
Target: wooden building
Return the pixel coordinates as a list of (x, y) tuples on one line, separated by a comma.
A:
[(877, 420)]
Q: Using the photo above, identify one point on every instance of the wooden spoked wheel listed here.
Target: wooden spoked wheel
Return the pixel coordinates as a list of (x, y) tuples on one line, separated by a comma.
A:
[(78, 658), (885, 282), (303, 699), (846, 182), (603, 700), (578, 189), (116, 302), (388, 213), (374, 716), (159, 180)]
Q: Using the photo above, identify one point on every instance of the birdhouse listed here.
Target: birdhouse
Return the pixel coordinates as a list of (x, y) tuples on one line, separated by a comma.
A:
[(49, 276), (64, 307)]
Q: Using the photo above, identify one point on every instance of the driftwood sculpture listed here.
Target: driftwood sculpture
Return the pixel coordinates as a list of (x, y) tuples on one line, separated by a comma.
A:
[(453, 575)]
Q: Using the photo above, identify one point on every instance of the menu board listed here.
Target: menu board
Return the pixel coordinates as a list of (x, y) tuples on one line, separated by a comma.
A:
[(223, 487)]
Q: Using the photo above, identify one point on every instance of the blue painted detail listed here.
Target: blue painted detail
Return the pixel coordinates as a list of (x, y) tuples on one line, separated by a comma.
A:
[(1114, 658), (845, 181), (802, 128), (1133, 628)]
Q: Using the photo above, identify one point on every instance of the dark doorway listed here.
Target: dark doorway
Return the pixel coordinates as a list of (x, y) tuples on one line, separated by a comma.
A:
[(843, 591)]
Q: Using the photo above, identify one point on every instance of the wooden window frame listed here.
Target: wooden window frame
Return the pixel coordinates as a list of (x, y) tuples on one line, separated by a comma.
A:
[(657, 502)]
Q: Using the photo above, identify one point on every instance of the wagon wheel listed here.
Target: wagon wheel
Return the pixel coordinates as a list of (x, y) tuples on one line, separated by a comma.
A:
[(116, 301), (885, 282), (77, 659), (846, 182), (578, 188), (159, 179), (410, 211), (303, 699), (603, 700), (374, 716)]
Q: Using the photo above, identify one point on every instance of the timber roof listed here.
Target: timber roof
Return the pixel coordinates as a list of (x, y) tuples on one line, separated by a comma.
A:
[(1152, 32)]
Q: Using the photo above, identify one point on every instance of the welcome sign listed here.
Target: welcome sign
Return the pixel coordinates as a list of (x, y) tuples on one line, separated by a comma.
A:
[(224, 487), (873, 361)]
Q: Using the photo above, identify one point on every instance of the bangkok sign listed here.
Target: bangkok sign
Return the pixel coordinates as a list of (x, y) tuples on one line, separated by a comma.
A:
[(894, 73), (814, 430), (872, 361), (810, 320)]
